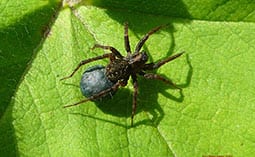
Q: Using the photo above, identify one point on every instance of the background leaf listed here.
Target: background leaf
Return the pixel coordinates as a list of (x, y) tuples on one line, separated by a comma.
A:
[(214, 116)]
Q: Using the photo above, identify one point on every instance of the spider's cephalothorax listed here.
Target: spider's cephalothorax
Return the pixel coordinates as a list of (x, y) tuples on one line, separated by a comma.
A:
[(120, 69)]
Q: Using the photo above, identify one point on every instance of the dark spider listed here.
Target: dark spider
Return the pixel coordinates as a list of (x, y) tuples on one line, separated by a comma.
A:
[(121, 68)]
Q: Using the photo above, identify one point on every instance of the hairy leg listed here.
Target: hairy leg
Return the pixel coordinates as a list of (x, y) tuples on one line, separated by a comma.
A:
[(114, 51), (126, 39), (135, 85), (158, 77), (107, 55), (96, 96), (146, 36), (152, 66)]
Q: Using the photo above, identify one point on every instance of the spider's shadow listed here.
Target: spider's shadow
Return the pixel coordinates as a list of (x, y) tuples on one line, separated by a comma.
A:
[(121, 103), (149, 90)]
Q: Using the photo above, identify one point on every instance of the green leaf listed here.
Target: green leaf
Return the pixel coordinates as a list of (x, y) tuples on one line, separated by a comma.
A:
[(21, 34), (214, 116)]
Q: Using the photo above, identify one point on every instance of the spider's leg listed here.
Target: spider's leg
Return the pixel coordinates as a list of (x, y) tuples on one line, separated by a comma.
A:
[(135, 85), (96, 96), (83, 62), (146, 36), (152, 66), (114, 51), (107, 55), (126, 39), (158, 77)]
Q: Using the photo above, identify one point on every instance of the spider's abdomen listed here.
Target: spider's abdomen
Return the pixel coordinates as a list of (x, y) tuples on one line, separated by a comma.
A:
[(94, 81), (118, 70)]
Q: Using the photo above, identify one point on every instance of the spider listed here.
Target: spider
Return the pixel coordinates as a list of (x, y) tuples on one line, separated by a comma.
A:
[(121, 68)]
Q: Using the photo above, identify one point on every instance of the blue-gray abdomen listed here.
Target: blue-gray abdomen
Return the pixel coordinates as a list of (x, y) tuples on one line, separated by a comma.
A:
[(94, 81)]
